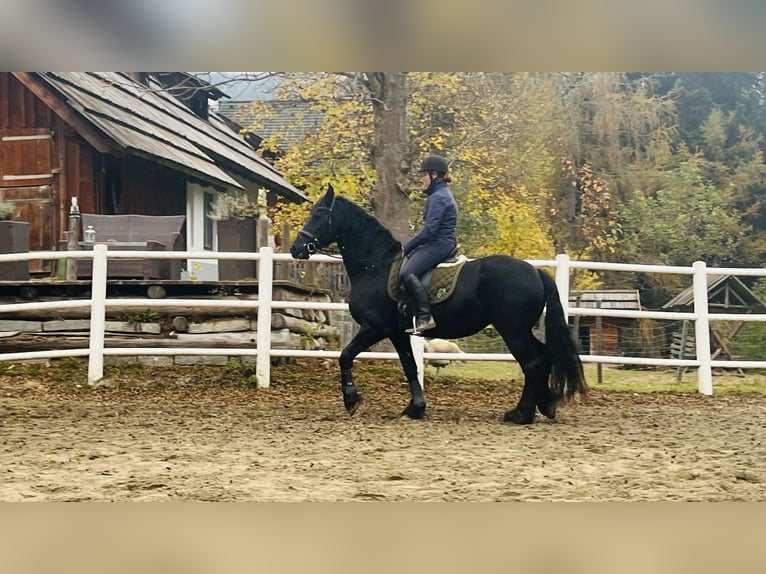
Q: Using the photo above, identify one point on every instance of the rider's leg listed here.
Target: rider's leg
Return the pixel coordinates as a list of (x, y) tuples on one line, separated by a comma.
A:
[(417, 297), (414, 266)]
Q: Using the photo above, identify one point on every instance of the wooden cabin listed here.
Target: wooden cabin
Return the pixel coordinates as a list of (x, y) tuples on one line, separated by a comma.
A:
[(604, 335), (123, 143)]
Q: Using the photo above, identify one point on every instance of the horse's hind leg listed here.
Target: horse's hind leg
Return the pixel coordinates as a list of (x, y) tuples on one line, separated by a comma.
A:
[(366, 337), (545, 397), (536, 367)]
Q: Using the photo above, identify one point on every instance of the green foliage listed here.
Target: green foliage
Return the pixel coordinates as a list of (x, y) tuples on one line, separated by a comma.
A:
[(234, 206), (240, 372), (8, 211), (750, 343), (145, 316), (499, 130), (714, 133), (69, 364), (223, 291), (67, 370), (688, 219), (307, 341)]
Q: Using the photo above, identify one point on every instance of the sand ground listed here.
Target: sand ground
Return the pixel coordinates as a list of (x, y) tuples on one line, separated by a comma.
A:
[(211, 441)]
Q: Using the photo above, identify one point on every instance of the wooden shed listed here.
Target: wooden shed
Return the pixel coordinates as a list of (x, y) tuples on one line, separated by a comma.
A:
[(604, 335), (122, 143), (726, 294)]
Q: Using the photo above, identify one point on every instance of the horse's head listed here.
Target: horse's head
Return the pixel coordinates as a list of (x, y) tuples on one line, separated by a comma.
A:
[(318, 230)]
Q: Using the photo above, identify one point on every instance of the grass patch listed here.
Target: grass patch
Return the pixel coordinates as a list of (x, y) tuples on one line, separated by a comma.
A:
[(612, 378), (321, 375)]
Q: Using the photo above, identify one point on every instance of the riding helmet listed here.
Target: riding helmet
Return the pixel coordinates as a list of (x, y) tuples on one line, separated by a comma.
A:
[(434, 163)]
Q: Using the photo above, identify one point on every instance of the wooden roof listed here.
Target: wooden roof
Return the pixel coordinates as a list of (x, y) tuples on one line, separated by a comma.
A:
[(116, 113), (626, 299), (724, 292), (290, 121)]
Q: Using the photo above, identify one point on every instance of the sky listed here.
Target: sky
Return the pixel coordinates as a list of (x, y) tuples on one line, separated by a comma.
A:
[(241, 90)]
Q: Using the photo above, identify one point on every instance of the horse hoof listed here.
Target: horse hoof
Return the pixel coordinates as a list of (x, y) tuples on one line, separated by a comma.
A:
[(413, 412), (352, 407), (517, 417), (548, 410)]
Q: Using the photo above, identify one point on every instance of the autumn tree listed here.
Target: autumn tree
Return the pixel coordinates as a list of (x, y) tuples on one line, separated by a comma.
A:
[(619, 136), (497, 131), (361, 146), (542, 163), (500, 132)]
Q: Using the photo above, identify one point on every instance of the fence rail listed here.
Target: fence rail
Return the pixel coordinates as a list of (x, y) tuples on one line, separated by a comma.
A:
[(266, 258)]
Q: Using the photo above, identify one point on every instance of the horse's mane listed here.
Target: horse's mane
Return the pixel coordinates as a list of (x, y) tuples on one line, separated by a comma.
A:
[(363, 233)]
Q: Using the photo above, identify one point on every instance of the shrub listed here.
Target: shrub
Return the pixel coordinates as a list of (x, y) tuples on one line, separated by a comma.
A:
[(8, 211)]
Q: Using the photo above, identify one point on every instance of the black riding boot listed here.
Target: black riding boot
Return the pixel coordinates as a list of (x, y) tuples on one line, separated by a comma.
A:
[(417, 299)]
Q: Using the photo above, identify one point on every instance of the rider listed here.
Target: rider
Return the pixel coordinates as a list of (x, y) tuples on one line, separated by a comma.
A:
[(433, 243)]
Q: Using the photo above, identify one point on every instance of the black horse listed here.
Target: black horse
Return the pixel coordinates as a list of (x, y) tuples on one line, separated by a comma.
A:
[(500, 290)]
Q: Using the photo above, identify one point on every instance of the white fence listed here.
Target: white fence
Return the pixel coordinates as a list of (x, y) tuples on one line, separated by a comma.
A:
[(98, 303)]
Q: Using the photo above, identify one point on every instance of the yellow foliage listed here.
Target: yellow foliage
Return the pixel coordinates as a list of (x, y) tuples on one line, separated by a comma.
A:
[(586, 280), (506, 226), (501, 132)]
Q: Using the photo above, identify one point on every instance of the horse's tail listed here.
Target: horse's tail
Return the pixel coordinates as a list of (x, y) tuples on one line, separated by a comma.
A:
[(567, 377)]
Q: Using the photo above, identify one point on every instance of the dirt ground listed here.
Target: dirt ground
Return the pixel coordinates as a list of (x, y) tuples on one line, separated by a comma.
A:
[(194, 434)]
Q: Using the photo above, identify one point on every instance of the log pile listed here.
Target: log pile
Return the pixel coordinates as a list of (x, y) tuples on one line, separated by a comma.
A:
[(176, 327)]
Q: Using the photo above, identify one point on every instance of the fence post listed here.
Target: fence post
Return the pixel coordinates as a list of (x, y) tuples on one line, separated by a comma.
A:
[(562, 281), (263, 333), (97, 315), (418, 346), (702, 329)]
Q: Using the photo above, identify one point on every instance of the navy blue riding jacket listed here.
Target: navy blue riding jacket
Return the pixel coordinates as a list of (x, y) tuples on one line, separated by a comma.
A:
[(438, 236)]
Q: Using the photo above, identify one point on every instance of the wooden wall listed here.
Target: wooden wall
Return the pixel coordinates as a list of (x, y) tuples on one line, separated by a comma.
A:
[(595, 339), (19, 108), (42, 143), (40, 166), (149, 188)]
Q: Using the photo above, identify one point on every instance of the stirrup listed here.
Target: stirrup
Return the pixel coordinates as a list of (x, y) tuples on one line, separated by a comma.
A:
[(418, 330)]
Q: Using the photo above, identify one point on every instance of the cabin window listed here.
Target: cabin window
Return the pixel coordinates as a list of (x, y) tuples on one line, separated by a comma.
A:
[(207, 206)]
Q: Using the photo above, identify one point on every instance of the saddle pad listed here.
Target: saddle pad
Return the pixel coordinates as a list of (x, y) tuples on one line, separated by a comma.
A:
[(440, 285)]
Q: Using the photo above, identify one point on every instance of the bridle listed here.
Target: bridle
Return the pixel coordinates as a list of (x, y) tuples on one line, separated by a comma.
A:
[(311, 241)]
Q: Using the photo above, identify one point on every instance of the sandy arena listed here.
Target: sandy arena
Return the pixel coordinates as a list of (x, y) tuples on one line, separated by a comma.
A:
[(204, 439)]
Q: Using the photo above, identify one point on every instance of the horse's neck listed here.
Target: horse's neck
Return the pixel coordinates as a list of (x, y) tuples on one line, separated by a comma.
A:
[(365, 244)]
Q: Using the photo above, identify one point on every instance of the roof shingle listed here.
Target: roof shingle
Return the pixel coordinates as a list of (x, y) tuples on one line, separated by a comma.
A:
[(147, 120)]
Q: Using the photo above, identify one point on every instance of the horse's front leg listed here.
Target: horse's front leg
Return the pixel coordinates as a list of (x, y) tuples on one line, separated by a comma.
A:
[(416, 409), (366, 337)]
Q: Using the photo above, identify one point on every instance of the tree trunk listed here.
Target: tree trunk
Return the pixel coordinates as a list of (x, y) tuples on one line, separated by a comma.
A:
[(390, 196)]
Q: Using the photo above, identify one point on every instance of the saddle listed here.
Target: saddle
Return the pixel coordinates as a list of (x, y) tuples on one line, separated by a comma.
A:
[(439, 282)]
